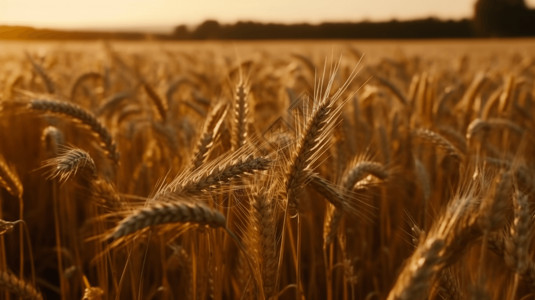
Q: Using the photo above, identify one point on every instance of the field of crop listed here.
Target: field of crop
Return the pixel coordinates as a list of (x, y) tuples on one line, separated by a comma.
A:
[(267, 170)]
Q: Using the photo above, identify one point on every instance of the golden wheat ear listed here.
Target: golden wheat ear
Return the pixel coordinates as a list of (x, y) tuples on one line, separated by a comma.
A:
[(83, 116), (240, 121), (263, 234), (313, 135), (52, 140), (439, 141), (49, 84), (215, 175), (9, 179), (167, 213), (159, 102), (69, 163), (78, 82), (9, 282), (209, 135)]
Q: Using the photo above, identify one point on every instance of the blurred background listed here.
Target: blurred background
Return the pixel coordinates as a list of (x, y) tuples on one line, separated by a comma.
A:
[(275, 19)]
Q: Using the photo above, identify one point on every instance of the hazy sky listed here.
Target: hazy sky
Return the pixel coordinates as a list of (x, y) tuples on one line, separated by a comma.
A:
[(159, 13)]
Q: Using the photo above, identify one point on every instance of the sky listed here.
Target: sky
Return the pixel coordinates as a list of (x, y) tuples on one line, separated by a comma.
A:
[(160, 14)]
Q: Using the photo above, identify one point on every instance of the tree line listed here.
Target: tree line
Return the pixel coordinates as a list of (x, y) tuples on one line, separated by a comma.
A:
[(422, 28)]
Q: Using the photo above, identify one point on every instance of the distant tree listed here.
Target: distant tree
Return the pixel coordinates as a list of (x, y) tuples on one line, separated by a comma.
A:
[(503, 18), (181, 32), (208, 29)]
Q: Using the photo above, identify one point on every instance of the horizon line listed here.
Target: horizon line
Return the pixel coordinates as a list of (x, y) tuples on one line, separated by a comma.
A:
[(162, 28)]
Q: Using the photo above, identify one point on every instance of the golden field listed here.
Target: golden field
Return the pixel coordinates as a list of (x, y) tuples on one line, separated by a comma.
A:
[(267, 170)]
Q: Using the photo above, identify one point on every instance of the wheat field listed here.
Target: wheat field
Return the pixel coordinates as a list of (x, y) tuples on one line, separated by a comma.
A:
[(267, 170)]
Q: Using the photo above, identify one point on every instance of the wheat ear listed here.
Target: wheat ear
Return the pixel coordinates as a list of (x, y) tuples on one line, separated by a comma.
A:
[(308, 148), (111, 103), (449, 286), (479, 125), (506, 96), (517, 245), (263, 224), (313, 138), (52, 139), (80, 79), (328, 190), (83, 116), (440, 141), (9, 180), (423, 266), (167, 213), (159, 102), (12, 284), (492, 208), (211, 130), (241, 111), (105, 194), (70, 163), (449, 236), (360, 170), (354, 177), (393, 88), (49, 84), (206, 179)]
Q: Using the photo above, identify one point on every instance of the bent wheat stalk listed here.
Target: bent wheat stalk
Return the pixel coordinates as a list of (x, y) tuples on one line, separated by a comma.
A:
[(83, 116)]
